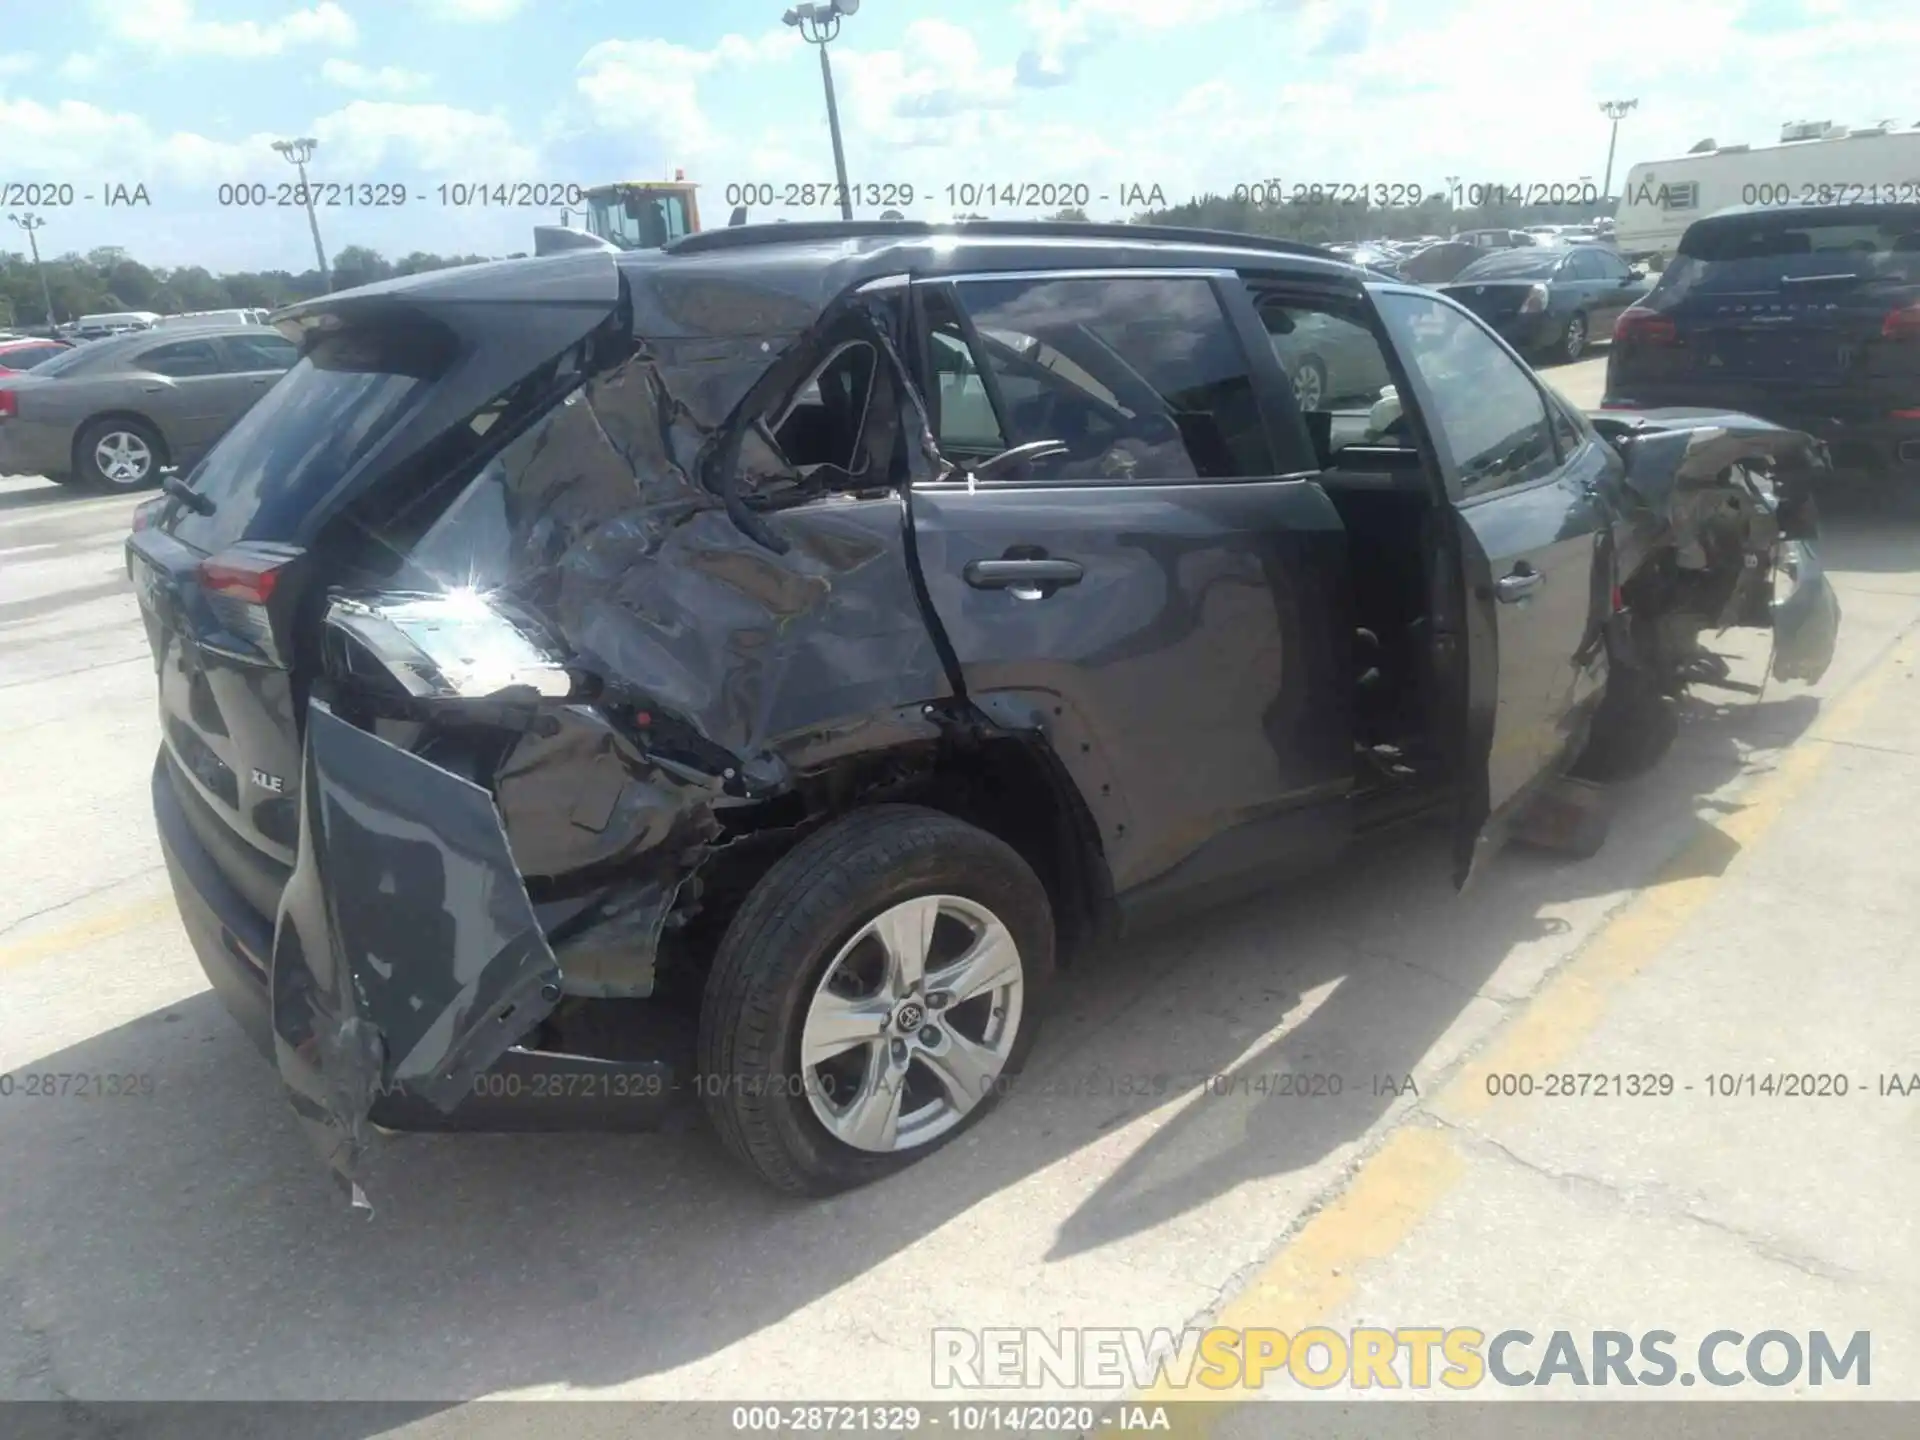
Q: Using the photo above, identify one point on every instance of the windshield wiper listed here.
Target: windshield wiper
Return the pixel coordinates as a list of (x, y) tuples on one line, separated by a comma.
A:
[(171, 482)]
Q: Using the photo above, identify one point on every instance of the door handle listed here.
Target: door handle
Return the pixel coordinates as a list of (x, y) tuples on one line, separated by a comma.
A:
[(153, 389), (1515, 587), (1024, 577)]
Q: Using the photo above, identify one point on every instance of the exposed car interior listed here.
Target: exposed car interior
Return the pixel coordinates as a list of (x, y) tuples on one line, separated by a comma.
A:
[(1113, 422), (1378, 482)]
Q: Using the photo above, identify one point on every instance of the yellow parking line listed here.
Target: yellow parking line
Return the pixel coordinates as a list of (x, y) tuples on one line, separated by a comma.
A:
[(85, 932), (1397, 1186)]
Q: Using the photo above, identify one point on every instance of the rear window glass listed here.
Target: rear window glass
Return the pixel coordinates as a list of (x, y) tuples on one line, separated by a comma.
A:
[(74, 359), (1528, 263), (306, 433), (1767, 255)]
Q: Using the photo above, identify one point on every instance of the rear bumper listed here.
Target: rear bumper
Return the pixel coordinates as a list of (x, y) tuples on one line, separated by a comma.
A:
[(525, 1090), (30, 448)]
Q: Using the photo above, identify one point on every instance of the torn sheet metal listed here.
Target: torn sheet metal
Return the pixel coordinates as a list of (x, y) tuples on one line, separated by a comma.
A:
[(407, 955), (599, 522), (1806, 621), (1667, 450), (1694, 473)]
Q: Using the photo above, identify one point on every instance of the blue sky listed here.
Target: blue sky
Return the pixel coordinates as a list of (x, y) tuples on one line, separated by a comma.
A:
[(1188, 95)]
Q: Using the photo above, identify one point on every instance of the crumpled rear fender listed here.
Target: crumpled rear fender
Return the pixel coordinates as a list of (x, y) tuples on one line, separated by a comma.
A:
[(1675, 462), (406, 955)]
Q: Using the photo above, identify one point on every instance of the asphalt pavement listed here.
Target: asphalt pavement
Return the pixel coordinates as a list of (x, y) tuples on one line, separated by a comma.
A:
[(1753, 911)]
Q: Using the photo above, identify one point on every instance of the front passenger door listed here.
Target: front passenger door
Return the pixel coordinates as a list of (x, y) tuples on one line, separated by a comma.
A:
[(1530, 529)]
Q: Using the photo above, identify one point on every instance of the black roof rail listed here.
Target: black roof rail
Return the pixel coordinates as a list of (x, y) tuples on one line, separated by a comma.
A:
[(740, 237)]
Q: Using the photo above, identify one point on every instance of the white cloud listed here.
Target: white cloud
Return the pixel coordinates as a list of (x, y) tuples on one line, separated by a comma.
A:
[(478, 12), (79, 67), (441, 139), (654, 85), (1065, 31), (386, 80), (915, 95), (171, 28), (73, 138), (19, 62)]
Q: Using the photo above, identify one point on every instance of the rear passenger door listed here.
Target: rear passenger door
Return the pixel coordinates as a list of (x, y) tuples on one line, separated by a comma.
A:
[(1524, 482), (1618, 289), (191, 390), (1163, 594), (256, 363)]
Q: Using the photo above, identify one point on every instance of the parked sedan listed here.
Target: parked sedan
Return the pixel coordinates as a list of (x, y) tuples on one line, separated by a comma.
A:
[(1551, 300), (110, 413), (1329, 360)]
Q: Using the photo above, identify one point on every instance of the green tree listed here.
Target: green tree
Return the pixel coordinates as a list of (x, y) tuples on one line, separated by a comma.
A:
[(357, 265)]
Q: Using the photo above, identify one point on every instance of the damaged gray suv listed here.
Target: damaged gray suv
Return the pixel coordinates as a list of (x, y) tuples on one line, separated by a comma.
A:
[(738, 673)]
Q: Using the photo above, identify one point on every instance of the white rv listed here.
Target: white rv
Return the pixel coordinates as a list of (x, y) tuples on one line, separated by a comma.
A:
[(1816, 163)]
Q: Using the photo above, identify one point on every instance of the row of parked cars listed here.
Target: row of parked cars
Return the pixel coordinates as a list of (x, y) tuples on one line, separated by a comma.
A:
[(740, 673)]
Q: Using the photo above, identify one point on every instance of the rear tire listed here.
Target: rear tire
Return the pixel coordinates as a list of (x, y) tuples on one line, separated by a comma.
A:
[(1572, 343), (786, 959), (116, 456)]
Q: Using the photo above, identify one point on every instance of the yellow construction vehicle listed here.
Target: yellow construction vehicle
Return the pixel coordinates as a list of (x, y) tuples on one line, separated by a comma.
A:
[(629, 215), (643, 214)]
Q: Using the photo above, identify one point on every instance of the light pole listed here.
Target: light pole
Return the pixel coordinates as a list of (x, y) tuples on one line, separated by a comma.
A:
[(1614, 110), (297, 153), (30, 222), (818, 24)]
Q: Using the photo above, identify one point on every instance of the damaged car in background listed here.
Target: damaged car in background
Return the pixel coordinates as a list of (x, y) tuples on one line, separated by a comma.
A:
[(744, 670)]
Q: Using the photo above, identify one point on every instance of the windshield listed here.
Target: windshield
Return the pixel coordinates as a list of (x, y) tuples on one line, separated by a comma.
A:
[(1528, 264), (638, 220)]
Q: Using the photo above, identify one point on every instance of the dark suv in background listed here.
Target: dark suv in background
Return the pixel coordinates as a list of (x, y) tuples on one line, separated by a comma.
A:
[(743, 667), (1806, 315)]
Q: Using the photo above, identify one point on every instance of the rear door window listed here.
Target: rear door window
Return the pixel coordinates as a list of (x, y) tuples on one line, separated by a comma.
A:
[(259, 352), (303, 436), (183, 359)]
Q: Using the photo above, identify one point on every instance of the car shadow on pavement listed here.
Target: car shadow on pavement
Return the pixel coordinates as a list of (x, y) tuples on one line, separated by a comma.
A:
[(184, 1243), (1400, 957), (32, 497)]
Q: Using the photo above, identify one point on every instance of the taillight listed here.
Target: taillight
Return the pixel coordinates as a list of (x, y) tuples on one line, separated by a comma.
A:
[(239, 582), (147, 511), (1644, 327), (1903, 324), (9, 405), (240, 578), (1535, 302)]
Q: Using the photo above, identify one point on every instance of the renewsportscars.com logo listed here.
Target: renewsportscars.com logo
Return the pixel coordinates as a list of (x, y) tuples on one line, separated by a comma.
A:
[(1370, 1358)]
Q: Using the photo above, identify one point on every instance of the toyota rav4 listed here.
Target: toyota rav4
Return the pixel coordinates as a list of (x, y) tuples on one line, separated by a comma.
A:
[(743, 670)]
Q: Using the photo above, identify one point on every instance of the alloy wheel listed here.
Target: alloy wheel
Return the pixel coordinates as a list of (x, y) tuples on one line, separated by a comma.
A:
[(1309, 385), (1575, 341), (122, 458), (912, 1023)]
